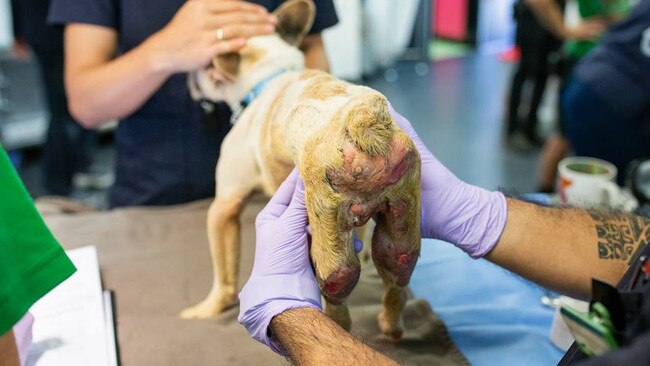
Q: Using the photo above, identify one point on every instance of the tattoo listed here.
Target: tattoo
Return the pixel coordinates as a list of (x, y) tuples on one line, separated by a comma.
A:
[(620, 236)]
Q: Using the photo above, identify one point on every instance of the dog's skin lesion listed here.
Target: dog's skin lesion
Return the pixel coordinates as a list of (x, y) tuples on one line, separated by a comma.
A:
[(355, 162)]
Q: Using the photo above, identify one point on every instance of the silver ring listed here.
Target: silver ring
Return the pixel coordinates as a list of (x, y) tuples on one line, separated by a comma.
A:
[(220, 34)]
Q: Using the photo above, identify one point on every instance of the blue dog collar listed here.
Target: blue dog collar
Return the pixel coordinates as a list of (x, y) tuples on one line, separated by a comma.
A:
[(252, 94)]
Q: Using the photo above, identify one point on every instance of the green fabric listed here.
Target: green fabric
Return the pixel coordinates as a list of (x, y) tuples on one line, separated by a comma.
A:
[(31, 260), (595, 8)]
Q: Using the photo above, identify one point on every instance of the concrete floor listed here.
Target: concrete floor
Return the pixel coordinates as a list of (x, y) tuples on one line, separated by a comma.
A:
[(457, 109), (456, 106)]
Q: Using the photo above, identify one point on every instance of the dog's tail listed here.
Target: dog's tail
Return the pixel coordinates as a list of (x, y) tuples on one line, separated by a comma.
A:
[(368, 123)]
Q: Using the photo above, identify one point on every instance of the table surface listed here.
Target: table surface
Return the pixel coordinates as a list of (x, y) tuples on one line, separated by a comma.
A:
[(157, 262), (493, 316)]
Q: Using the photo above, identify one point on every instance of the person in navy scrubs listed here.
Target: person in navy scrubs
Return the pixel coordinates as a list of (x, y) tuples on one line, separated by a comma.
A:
[(68, 147), (128, 59), (606, 102)]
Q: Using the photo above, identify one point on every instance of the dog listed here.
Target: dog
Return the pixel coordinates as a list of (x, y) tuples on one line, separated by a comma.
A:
[(355, 162)]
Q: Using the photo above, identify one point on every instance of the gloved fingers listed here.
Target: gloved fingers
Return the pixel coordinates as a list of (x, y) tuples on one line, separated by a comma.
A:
[(281, 199), (297, 204), (358, 244), (406, 126)]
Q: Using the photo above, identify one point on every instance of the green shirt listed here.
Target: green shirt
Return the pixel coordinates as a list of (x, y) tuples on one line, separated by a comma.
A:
[(32, 262), (595, 8)]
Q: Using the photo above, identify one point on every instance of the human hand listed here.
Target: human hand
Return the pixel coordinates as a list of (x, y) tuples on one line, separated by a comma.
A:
[(20, 49), (468, 216), (586, 30), (203, 29), (282, 276)]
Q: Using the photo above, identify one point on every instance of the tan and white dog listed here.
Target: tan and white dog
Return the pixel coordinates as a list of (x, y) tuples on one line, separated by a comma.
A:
[(356, 164)]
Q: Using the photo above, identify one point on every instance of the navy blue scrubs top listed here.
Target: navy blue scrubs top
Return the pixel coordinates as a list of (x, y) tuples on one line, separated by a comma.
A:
[(164, 153), (619, 68)]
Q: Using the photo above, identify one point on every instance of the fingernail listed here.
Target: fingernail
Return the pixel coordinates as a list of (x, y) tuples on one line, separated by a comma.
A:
[(273, 19)]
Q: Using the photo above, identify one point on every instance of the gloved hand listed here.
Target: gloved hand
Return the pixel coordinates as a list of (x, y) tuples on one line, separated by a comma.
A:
[(282, 276), (468, 216)]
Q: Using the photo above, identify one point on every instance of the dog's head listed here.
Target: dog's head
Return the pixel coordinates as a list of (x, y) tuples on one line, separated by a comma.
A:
[(231, 76)]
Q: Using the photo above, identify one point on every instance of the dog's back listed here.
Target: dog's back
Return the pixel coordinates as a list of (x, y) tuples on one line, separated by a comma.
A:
[(299, 105)]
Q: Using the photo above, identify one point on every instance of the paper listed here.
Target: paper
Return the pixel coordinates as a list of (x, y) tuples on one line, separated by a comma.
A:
[(70, 322)]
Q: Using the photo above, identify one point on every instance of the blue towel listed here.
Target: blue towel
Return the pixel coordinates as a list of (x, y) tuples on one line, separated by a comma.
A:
[(494, 317)]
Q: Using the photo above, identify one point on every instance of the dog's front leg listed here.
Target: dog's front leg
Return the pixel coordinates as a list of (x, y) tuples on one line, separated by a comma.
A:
[(224, 240)]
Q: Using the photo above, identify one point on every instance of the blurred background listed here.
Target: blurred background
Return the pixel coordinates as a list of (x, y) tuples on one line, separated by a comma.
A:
[(444, 64)]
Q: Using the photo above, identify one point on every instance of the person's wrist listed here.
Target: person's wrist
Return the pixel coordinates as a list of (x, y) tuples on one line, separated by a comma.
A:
[(495, 212), (475, 220), (280, 307), (264, 297), (157, 54)]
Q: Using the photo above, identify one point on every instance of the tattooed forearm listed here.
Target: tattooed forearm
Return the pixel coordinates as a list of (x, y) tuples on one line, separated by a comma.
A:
[(620, 236)]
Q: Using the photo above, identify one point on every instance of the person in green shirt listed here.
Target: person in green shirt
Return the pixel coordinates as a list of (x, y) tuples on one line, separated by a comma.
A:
[(599, 11), (595, 17), (32, 262)]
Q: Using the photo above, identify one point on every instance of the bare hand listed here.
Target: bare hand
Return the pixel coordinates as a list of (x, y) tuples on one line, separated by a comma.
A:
[(20, 49), (203, 29), (587, 30)]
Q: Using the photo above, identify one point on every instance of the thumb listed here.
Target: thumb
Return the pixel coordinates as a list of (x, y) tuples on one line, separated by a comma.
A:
[(297, 206), (278, 204)]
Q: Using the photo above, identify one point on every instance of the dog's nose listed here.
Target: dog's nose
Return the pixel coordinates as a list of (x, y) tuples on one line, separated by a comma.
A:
[(340, 283)]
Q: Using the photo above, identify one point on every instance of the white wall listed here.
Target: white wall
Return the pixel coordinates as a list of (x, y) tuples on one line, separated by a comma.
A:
[(368, 36), (6, 30), (388, 29), (343, 42)]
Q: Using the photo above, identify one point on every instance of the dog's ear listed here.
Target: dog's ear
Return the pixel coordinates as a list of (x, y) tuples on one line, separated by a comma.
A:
[(295, 18), (228, 65)]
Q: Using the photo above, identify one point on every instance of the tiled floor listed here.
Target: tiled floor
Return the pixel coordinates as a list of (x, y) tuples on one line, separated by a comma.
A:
[(455, 105)]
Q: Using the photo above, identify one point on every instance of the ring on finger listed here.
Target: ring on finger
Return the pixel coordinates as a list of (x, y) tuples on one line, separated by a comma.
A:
[(220, 35)]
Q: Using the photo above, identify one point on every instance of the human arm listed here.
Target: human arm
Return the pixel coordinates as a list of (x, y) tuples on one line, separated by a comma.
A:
[(8, 350), (14, 344), (102, 87), (19, 47), (314, 51), (311, 338), (549, 14), (564, 249), (557, 247)]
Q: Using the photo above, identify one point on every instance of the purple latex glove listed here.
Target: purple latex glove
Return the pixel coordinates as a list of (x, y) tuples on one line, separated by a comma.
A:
[(468, 216), (23, 336), (282, 276)]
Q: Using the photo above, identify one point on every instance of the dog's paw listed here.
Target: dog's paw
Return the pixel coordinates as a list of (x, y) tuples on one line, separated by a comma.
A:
[(207, 308), (390, 326)]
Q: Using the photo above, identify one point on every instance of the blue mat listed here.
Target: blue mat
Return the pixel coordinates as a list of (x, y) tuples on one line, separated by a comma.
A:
[(493, 316)]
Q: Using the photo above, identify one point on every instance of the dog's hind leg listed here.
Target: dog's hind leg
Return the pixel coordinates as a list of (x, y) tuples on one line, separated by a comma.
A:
[(237, 177), (332, 252), (395, 250)]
